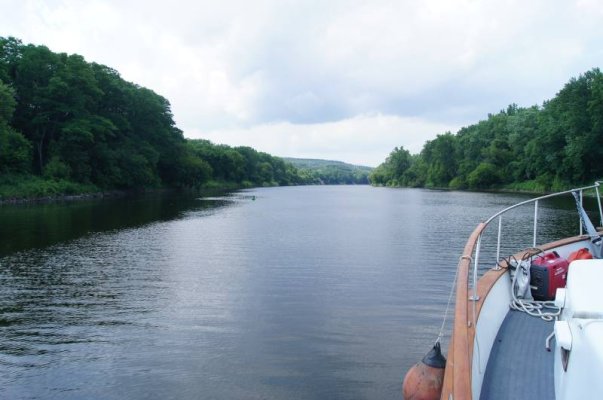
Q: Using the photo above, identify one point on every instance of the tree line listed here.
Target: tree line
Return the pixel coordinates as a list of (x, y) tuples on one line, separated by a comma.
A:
[(541, 148), (331, 172), (69, 124)]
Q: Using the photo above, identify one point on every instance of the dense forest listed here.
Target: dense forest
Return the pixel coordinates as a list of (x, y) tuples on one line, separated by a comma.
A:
[(330, 172), (69, 126), (540, 148)]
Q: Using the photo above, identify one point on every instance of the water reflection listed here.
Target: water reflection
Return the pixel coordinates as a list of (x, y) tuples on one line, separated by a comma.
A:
[(299, 293), (29, 226)]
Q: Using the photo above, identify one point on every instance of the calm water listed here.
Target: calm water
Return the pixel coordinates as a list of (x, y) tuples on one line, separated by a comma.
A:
[(326, 292)]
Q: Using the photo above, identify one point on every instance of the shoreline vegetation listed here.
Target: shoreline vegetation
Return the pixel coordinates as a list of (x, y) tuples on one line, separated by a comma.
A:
[(71, 128), (35, 190), (537, 149)]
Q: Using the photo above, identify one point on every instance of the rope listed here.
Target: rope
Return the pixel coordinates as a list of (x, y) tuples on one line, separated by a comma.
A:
[(535, 308), (450, 298)]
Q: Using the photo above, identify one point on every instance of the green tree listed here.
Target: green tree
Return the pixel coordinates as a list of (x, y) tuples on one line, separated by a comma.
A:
[(81, 121), (440, 156), (484, 176), (393, 172), (15, 150)]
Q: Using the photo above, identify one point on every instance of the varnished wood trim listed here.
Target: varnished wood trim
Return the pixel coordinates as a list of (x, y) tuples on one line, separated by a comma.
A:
[(457, 373)]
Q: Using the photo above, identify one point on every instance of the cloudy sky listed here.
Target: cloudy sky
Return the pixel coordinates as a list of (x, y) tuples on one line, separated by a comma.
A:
[(346, 80)]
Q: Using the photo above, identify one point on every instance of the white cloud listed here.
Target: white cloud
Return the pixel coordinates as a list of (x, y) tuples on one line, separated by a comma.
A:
[(363, 139), (238, 68)]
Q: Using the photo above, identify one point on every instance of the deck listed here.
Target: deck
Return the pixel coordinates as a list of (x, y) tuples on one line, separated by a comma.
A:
[(519, 366)]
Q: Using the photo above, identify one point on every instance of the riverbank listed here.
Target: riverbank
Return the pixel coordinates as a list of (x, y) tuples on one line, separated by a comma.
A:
[(528, 187), (24, 189), (60, 198)]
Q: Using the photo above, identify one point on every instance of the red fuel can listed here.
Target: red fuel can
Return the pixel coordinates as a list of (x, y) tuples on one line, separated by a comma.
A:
[(547, 273), (582, 254)]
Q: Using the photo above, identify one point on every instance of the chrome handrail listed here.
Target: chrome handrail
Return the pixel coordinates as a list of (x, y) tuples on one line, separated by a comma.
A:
[(548, 196)]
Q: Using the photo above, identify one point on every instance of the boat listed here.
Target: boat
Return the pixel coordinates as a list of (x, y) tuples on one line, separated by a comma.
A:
[(503, 343)]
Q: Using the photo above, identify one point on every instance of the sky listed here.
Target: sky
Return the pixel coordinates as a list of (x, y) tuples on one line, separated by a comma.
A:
[(343, 80)]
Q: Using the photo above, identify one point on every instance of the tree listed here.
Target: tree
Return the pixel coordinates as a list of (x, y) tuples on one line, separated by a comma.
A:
[(393, 171), (440, 156), (484, 176), (34, 115), (15, 150), (81, 121)]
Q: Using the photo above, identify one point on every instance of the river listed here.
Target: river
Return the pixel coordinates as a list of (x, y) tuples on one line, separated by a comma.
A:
[(320, 292)]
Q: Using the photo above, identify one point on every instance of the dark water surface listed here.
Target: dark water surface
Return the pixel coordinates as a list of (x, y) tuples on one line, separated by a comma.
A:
[(301, 293)]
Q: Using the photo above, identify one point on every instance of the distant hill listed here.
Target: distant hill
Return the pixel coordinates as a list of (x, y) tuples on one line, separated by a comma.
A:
[(331, 172), (313, 163)]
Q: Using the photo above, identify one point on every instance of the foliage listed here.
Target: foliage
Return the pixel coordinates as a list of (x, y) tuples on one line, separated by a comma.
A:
[(66, 120), (538, 148), (483, 176), (330, 172), (243, 165), (14, 148), (16, 186)]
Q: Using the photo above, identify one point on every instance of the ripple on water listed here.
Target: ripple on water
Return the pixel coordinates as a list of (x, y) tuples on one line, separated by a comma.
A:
[(303, 292)]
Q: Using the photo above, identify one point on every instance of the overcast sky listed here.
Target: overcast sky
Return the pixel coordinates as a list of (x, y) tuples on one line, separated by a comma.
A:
[(345, 80)]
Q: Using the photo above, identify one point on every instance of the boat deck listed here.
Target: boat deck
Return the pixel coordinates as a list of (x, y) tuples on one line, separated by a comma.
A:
[(519, 366)]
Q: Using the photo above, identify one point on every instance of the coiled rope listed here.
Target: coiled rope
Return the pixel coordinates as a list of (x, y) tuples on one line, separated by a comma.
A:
[(546, 310)]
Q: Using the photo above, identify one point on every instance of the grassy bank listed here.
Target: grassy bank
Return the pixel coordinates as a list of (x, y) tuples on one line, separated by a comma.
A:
[(534, 186), (28, 187), (530, 187)]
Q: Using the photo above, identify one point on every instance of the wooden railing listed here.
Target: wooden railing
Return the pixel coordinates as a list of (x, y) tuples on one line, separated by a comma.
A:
[(457, 378)]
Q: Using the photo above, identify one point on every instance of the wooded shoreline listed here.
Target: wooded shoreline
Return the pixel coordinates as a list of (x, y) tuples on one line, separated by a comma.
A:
[(73, 128), (547, 148), (70, 129)]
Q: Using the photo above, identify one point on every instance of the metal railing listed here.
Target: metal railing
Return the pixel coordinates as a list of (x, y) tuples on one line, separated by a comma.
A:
[(457, 381), (535, 201)]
